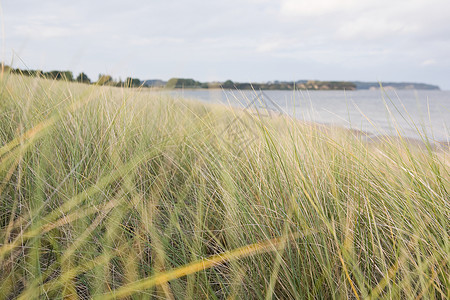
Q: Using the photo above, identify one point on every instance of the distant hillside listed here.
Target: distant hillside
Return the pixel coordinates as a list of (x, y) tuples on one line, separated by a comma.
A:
[(176, 83), (325, 85), (154, 83), (360, 85)]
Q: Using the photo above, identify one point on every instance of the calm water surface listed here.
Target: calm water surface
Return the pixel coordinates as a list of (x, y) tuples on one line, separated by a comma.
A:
[(414, 113)]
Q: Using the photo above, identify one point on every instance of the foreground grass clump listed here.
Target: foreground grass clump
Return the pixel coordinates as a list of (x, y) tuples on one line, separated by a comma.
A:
[(113, 193)]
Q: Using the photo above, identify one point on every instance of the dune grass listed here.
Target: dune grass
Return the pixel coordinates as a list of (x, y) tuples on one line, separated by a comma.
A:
[(118, 193)]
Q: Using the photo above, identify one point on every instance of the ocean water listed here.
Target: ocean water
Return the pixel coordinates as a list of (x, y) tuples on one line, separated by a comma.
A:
[(414, 114)]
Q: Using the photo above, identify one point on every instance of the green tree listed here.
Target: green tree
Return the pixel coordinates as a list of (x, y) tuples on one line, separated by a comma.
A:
[(83, 78), (59, 75), (228, 84), (132, 82), (67, 75), (172, 83), (177, 83), (104, 79)]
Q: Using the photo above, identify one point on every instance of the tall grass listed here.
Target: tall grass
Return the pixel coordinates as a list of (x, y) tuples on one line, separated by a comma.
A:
[(119, 193)]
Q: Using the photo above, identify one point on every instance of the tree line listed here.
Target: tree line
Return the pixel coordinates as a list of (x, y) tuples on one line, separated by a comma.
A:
[(188, 83), (103, 79)]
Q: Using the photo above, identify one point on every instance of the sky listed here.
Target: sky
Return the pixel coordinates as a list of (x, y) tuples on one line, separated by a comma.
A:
[(241, 40)]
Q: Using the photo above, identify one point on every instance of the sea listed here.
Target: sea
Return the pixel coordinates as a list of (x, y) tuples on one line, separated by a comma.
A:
[(414, 114)]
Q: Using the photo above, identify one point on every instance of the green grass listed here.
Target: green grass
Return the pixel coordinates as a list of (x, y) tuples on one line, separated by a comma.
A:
[(119, 193)]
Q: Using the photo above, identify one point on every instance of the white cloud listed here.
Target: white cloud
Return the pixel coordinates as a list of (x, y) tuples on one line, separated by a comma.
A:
[(378, 16), (42, 31), (317, 7), (369, 28), (268, 46), (429, 62), (306, 8), (155, 41)]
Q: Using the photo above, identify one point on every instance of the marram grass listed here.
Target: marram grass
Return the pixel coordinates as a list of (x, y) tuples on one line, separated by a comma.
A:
[(121, 193)]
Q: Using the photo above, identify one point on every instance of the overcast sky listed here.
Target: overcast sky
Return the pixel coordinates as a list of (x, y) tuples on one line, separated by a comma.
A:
[(242, 40)]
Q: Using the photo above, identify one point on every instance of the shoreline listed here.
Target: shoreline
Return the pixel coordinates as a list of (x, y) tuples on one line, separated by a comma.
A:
[(369, 137)]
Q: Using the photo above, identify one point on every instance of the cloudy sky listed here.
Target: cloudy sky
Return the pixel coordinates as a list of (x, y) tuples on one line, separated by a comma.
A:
[(242, 40)]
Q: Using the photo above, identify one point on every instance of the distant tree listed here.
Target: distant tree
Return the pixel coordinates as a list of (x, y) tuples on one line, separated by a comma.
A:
[(67, 75), (52, 75), (228, 84), (119, 83), (211, 85), (132, 82), (104, 80), (38, 73), (172, 83), (28, 72), (24, 72), (83, 78), (177, 83), (59, 75), (244, 86)]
